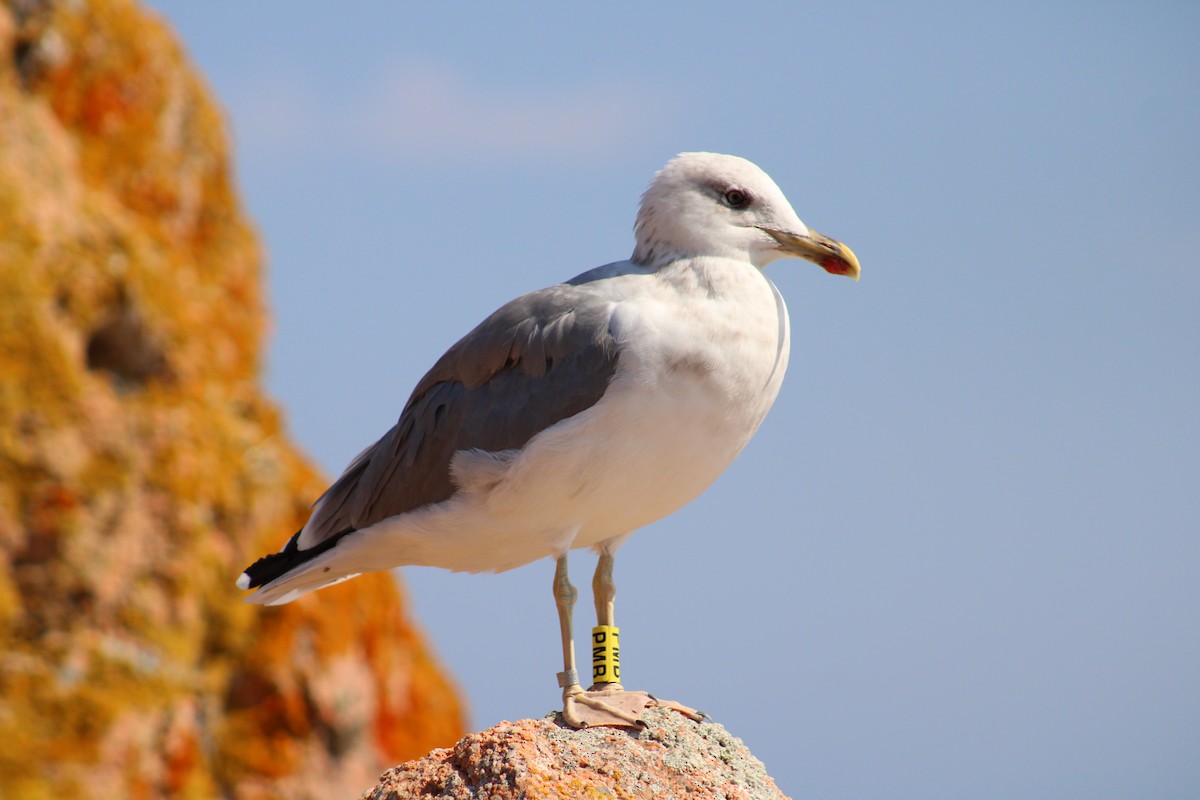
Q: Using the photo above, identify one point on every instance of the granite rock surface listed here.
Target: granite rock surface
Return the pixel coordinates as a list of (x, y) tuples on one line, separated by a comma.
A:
[(673, 757)]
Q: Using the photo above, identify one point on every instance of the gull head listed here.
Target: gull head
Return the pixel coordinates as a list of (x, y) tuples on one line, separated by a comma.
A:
[(708, 204)]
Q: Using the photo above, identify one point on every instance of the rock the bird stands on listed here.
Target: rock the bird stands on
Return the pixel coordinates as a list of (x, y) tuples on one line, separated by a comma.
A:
[(577, 414)]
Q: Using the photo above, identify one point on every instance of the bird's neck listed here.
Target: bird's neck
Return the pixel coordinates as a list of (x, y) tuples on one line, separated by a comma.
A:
[(714, 277)]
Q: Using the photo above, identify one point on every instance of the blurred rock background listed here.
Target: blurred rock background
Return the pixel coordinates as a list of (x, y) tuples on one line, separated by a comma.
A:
[(141, 467)]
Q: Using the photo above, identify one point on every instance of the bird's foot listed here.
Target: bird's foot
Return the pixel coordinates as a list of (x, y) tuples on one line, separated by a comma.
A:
[(605, 704), (608, 704), (687, 711)]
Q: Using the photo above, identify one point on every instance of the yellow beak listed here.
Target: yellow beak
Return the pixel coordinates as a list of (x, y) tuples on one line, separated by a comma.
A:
[(830, 254)]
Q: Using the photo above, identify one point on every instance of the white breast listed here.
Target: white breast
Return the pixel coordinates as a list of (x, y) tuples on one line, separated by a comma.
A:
[(703, 356)]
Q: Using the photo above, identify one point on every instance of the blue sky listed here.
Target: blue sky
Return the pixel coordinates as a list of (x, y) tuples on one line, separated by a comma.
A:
[(962, 556)]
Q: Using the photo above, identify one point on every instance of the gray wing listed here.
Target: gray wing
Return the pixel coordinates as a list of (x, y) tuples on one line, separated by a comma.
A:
[(542, 358)]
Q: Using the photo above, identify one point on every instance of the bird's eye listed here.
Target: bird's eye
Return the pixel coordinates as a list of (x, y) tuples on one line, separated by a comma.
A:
[(736, 198)]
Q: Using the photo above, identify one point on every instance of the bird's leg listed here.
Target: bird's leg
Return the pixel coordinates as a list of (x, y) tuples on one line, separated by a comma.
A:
[(604, 590), (564, 598), (606, 664), (583, 709)]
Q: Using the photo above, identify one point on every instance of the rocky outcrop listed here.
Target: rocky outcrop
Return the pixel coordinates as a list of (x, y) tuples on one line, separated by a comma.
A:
[(673, 757), (141, 467)]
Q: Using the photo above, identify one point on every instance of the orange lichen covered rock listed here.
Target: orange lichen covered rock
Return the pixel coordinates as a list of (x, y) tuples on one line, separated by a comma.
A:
[(673, 757), (141, 466)]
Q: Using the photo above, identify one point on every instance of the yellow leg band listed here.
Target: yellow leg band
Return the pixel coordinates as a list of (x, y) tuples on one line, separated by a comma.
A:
[(606, 654)]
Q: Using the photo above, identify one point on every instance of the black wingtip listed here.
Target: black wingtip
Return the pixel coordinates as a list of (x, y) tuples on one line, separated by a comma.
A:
[(270, 567), (276, 565)]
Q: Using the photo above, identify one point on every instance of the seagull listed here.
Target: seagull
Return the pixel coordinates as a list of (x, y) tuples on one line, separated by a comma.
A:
[(579, 413)]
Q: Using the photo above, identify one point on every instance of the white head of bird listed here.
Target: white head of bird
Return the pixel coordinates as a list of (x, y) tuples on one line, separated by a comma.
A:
[(709, 204)]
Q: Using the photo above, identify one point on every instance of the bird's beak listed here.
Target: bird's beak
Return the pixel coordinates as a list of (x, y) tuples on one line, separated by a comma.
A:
[(830, 254)]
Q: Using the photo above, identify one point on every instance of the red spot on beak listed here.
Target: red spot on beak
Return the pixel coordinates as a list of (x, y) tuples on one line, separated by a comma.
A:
[(836, 266)]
